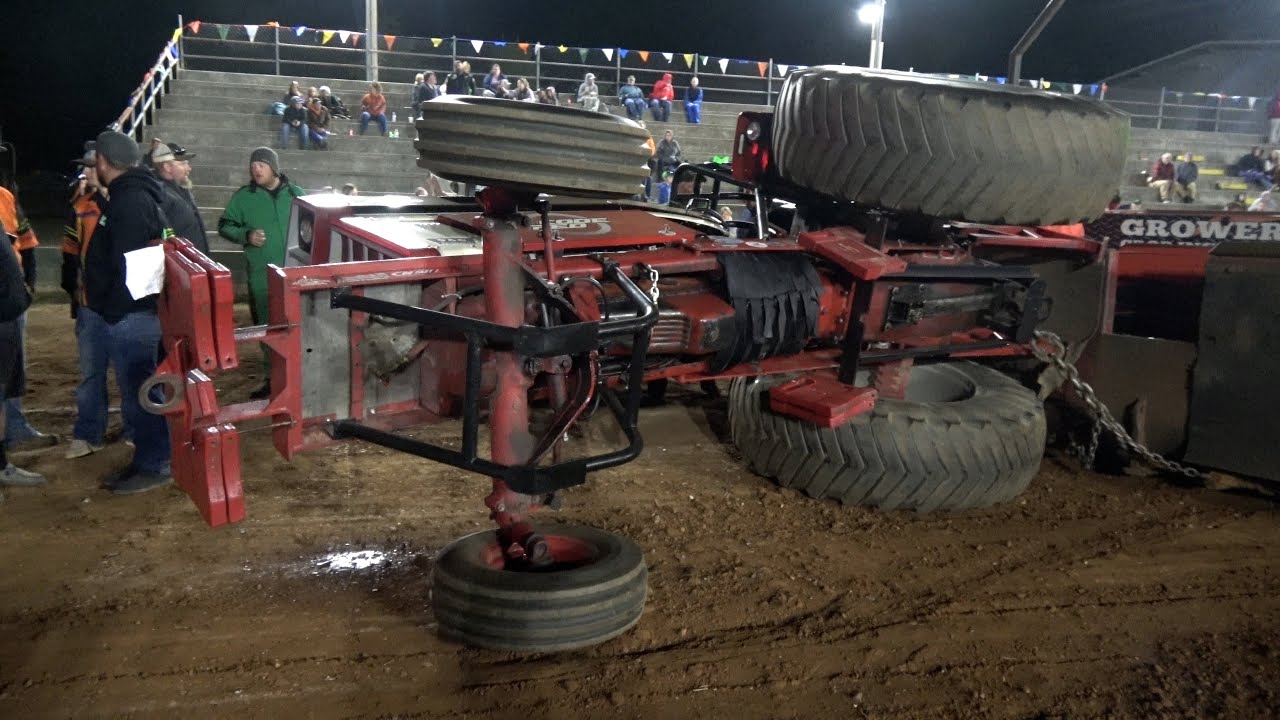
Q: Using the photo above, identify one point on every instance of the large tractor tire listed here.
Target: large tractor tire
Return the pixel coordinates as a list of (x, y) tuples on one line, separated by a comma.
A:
[(956, 150), (533, 147), (595, 590), (966, 436)]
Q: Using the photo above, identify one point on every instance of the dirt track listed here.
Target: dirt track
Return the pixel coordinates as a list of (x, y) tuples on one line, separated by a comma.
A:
[(1088, 597)]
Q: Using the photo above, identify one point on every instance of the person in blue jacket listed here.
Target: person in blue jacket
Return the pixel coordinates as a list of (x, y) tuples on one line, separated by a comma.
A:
[(693, 102)]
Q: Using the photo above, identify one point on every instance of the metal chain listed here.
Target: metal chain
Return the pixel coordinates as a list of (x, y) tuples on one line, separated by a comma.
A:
[(653, 283), (1055, 354)]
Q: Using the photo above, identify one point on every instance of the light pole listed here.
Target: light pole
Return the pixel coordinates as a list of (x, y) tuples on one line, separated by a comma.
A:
[(371, 39), (872, 14)]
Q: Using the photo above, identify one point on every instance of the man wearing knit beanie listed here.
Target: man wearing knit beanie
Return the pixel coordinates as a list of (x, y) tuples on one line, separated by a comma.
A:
[(131, 220), (257, 217)]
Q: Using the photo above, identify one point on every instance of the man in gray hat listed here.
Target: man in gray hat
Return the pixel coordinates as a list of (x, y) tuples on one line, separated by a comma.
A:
[(131, 221), (171, 164)]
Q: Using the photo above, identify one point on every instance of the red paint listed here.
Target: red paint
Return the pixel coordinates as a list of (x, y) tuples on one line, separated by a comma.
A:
[(819, 398)]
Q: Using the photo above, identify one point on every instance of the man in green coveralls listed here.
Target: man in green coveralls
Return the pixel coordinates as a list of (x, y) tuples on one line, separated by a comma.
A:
[(257, 217)]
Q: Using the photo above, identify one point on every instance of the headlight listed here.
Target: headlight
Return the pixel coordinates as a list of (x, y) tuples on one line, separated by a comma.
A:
[(753, 131)]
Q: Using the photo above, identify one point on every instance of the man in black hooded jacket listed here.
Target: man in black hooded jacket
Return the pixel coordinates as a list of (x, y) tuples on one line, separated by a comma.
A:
[(131, 221)]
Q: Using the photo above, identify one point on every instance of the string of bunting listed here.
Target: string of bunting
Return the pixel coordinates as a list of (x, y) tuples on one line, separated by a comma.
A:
[(691, 60)]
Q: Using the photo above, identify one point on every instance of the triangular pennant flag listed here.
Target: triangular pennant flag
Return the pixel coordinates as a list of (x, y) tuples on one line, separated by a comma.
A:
[(252, 30), (953, 77), (669, 56), (1002, 80), (688, 59), (563, 48), (582, 53), (1045, 84), (644, 55), (608, 53), (524, 48), (1177, 95), (1252, 101), (435, 42), (724, 64), (499, 43), (326, 36), (782, 69), (1076, 88), (1093, 89), (299, 30), (343, 36), (763, 67), (703, 59), (222, 30), (1103, 90), (982, 78), (195, 27), (622, 52), (355, 38), (477, 44), (177, 33), (391, 41)]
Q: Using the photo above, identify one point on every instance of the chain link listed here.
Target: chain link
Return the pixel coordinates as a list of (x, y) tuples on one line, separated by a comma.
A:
[(1049, 348), (653, 283)]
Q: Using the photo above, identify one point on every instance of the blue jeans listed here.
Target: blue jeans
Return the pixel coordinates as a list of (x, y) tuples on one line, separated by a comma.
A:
[(93, 343), (317, 137), (693, 111), (635, 108), (661, 109), (366, 117), (134, 351), (286, 129), (16, 427)]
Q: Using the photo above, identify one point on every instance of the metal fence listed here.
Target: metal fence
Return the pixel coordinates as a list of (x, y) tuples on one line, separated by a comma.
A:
[(280, 51), (1166, 109)]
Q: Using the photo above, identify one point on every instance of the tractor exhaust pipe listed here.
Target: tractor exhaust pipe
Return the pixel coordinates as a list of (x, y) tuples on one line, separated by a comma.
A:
[(1029, 37)]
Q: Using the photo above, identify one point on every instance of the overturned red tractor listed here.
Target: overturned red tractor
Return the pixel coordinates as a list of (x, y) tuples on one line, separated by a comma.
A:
[(878, 308)]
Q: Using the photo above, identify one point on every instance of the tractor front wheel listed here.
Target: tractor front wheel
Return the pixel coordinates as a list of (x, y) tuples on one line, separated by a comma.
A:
[(593, 589)]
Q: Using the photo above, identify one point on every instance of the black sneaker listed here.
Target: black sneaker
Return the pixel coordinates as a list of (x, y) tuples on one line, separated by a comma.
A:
[(261, 393), (110, 481), (140, 482)]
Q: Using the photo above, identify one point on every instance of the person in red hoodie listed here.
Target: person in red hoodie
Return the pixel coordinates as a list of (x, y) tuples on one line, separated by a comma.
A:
[(661, 97)]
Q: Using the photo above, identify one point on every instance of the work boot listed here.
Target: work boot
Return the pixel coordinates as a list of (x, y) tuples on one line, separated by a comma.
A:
[(261, 393), (16, 476), (80, 448), (140, 482)]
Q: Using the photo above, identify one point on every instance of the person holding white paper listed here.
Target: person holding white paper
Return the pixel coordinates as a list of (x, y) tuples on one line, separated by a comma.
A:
[(132, 220)]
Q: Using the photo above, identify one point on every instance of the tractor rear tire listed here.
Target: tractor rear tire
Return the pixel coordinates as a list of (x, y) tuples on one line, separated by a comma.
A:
[(967, 437), (595, 592), (532, 147), (956, 150)]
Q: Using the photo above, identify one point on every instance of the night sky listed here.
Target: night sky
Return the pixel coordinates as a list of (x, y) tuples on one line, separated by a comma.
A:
[(68, 66)]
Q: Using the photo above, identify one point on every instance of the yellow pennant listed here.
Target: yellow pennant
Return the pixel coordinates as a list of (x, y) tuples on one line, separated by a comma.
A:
[(325, 37), (688, 59), (435, 42)]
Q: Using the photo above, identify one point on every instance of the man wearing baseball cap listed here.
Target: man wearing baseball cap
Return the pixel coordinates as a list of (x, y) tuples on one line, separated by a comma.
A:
[(131, 221), (257, 217), (92, 344), (171, 164)]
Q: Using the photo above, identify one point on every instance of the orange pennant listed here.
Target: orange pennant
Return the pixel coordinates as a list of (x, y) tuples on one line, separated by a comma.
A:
[(391, 41), (524, 48), (644, 55), (195, 27), (763, 67)]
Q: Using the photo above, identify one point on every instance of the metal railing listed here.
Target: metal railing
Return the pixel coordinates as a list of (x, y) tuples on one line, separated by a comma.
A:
[(146, 99), (1166, 109), (280, 51)]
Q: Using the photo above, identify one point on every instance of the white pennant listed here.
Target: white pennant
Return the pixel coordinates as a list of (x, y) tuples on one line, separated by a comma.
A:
[(537, 48), (608, 53), (477, 44), (704, 60), (343, 35), (724, 64), (252, 30), (669, 56), (1077, 88), (982, 78), (782, 70)]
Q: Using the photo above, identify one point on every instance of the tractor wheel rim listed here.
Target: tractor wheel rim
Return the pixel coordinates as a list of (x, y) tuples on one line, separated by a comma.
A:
[(567, 554)]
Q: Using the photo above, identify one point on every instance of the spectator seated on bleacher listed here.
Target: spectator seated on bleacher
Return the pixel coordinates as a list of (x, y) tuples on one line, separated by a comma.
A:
[(333, 104), (1252, 169), (693, 102), (661, 97), (493, 82), (295, 90), (522, 93), (1163, 177), (373, 106), (589, 94), (1266, 202), (460, 81), (424, 90), (294, 121), (632, 99), (1185, 179), (548, 96), (318, 124)]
